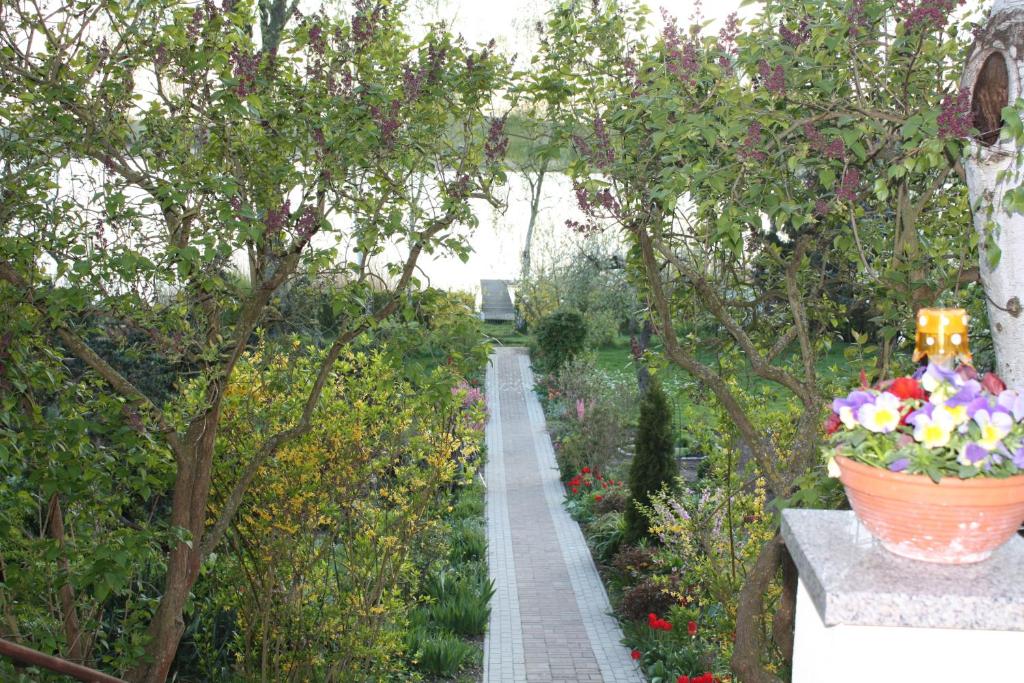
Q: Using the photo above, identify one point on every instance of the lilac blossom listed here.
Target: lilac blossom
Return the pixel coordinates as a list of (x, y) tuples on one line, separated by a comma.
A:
[(681, 56), (774, 80), (798, 37), (848, 186), (955, 118), (751, 142)]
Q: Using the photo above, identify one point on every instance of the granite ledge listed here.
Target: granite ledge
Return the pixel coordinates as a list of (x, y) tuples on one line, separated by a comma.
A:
[(853, 580)]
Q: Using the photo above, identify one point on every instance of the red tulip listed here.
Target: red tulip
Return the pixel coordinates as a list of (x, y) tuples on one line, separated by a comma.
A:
[(683, 679), (832, 424), (691, 628), (906, 388), (635, 654), (993, 384)]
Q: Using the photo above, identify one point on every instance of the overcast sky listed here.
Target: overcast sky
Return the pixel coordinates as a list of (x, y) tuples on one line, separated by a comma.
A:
[(510, 22)]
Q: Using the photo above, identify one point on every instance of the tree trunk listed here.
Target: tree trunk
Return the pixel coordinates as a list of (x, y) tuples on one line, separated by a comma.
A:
[(188, 512), (535, 197), (76, 646), (640, 344), (747, 652), (994, 73)]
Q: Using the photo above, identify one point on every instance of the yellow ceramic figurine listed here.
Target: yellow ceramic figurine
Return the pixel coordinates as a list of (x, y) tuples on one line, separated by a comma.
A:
[(942, 336)]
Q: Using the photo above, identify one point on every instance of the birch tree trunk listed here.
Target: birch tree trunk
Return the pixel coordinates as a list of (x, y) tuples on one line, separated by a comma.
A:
[(994, 73)]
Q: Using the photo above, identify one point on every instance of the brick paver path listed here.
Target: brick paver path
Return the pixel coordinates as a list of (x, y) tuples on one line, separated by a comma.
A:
[(550, 618)]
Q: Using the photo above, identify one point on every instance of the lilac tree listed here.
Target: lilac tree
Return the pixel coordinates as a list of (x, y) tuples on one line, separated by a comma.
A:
[(150, 146)]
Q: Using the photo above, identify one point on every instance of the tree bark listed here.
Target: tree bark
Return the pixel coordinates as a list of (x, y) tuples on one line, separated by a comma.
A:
[(76, 646), (994, 74), (746, 657)]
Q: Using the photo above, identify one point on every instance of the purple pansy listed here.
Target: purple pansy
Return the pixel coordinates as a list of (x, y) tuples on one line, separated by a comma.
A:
[(846, 408), (1018, 457), (899, 465), (925, 410), (972, 454), (942, 375), (967, 394), (1012, 401)]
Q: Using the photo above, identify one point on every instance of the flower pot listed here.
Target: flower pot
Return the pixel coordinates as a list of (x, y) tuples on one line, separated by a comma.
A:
[(957, 521)]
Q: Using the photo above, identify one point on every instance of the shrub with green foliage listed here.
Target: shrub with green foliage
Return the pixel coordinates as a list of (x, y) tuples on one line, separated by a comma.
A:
[(653, 465), (560, 338)]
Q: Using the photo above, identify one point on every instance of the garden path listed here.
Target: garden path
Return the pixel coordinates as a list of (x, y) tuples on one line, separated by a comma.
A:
[(550, 617)]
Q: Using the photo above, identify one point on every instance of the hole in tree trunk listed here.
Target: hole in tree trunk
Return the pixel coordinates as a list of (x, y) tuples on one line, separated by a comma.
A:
[(991, 94)]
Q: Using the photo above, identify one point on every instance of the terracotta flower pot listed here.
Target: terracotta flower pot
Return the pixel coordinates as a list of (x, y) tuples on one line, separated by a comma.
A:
[(957, 521)]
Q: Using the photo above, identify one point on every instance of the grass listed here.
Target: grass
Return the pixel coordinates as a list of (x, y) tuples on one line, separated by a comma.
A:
[(505, 334)]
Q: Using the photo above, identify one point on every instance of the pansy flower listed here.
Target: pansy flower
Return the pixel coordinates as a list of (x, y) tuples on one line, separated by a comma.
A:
[(940, 382), (846, 408), (881, 415), (972, 455), (966, 401), (933, 427), (1013, 402), (995, 425), (899, 465)]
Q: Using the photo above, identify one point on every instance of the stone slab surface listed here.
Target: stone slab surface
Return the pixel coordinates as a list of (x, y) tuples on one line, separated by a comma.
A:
[(853, 580), (550, 617), (495, 301)]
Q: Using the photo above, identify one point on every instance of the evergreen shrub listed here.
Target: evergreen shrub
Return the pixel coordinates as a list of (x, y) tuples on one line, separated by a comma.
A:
[(654, 464)]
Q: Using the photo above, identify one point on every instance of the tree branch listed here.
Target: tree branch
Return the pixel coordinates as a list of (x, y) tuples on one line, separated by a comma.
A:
[(85, 353)]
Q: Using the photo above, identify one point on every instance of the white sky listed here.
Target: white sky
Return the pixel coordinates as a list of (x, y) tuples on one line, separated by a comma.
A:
[(498, 241), (511, 22)]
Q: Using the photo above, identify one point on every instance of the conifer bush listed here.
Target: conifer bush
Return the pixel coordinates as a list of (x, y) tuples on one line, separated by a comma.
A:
[(653, 465), (560, 338)]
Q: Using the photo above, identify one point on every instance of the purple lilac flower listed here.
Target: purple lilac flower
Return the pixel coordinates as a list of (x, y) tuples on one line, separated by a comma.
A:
[(847, 191), (955, 120), (750, 144), (681, 56), (774, 80)]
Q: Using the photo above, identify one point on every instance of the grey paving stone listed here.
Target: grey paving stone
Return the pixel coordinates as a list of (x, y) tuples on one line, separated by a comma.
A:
[(550, 617)]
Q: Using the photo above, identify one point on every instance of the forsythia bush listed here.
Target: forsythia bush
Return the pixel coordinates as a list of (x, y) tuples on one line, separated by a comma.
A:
[(320, 564)]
